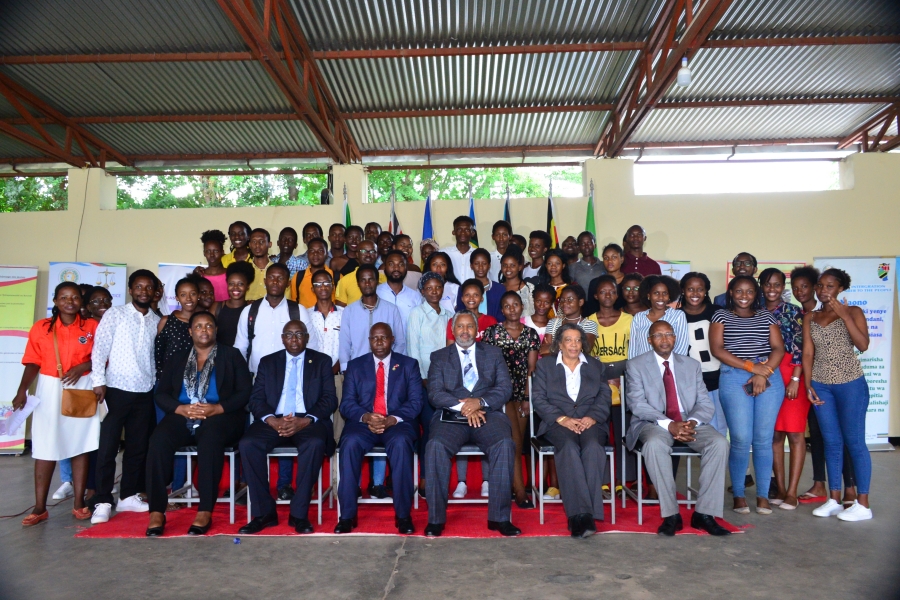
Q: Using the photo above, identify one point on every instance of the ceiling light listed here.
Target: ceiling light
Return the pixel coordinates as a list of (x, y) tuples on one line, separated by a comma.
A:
[(684, 74)]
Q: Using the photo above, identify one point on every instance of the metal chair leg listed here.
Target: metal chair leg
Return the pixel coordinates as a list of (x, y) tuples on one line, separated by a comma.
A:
[(541, 485), (416, 481), (612, 487), (231, 487), (640, 493), (320, 495)]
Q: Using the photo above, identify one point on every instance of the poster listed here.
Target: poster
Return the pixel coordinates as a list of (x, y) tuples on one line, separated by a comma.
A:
[(872, 283), (169, 274), (18, 289), (675, 268), (112, 276), (784, 266)]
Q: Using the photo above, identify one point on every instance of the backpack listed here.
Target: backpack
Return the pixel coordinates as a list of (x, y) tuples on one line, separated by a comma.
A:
[(293, 312)]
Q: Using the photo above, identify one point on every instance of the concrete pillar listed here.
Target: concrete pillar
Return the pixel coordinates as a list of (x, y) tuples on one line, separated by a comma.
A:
[(356, 179), (91, 189)]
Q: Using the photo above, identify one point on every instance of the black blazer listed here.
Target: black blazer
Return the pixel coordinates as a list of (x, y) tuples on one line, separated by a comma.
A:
[(233, 380), (445, 381), (319, 393), (551, 400)]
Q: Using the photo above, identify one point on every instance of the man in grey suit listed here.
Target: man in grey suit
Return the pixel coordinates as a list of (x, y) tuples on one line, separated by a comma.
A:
[(572, 397), (668, 401), (470, 380)]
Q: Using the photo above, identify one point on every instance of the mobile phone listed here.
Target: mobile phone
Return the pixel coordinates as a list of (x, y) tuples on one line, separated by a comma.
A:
[(748, 387)]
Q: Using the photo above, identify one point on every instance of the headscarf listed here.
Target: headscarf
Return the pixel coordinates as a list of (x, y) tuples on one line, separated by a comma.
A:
[(197, 383), (428, 276)]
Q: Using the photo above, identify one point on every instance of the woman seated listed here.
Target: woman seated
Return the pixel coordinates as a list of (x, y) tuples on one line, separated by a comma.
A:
[(574, 407), (203, 392)]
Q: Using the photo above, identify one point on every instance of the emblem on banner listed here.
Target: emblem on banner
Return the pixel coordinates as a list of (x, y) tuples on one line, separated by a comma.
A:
[(68, 275), (884, 270)]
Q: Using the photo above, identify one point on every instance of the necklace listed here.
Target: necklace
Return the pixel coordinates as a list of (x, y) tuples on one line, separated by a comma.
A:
[(372, 307)]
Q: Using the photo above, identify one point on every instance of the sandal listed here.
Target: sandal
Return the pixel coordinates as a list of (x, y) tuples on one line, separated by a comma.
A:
[(81, 513), (35, 519)]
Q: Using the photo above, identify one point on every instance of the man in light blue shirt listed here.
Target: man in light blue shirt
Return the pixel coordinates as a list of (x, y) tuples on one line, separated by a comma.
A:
[(358, 318), (393, 291)]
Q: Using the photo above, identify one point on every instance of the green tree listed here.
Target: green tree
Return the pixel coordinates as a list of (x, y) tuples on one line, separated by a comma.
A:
[(29, 194), (412, 184)]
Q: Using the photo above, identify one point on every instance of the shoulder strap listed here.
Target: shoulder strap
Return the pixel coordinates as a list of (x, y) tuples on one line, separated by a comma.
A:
[(293, 310), (251, 324), (59, 368), (300, 275)]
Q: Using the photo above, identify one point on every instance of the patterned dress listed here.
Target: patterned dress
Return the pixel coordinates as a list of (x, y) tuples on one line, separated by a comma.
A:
[(174, 337), (515, 352)]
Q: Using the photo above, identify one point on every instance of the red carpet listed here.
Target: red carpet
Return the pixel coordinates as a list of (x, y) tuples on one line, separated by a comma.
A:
[(463, 520)]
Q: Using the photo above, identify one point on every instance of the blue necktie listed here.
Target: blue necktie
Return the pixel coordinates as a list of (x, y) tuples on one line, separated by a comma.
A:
[(290, 396), (470, 376)]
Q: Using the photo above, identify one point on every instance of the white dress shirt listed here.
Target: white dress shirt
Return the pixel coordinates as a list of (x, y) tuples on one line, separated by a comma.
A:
[(387, 373), (461, 267), (267, 331), (328, 329), (573, 376), (122, 357), (462, 362), (664, 423), (494, 273)]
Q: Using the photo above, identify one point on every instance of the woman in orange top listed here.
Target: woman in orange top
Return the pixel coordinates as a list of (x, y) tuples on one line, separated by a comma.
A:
[(55, 437)]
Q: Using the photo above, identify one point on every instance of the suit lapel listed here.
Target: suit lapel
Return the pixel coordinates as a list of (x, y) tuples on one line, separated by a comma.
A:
[(392, 376), (280, 374), (453, 362), (681, 383), (307, 378), (588, 382), (656, 378)]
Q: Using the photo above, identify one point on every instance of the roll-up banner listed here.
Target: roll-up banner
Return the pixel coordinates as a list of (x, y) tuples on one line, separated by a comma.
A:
[(111, 276), (169, 274), (18, 288), (872, 288)]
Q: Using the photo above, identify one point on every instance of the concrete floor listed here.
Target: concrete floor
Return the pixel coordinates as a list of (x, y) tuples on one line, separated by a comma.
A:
[(785, 555)]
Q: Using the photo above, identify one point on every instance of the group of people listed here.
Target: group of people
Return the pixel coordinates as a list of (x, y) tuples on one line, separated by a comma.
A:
[(353, 344)]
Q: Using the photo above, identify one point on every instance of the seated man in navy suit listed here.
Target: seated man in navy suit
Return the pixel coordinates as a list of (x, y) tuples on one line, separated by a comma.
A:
[(382, 396), (292, 402)]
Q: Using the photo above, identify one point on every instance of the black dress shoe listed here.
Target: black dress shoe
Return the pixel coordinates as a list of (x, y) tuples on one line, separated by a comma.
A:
[(590, 528), (197, 530), (434, 529), (358, 492), (156, 531), (405, 525), (576, 526), (258, 524), (708, 524), (504, 527), (378, 491), (286, 493), (670, 525), (346, 525), (303, 526)]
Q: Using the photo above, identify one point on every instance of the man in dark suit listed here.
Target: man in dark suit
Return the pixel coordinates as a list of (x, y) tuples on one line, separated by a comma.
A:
[(292, 401), (382, 396), (469, 379), (668, 401), (572, 397)]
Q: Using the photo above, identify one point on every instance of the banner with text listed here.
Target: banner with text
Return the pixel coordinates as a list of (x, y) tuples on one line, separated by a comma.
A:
[(18, 288), (784, 266), (675, 268), (169, 274), (109, 275), (872, 284)]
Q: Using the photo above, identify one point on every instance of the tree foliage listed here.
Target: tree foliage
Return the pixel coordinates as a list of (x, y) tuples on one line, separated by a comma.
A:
[(29, 194)]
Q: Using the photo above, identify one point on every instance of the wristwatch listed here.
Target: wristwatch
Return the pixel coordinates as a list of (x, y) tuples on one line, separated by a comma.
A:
[(797, 379), (483, 403)]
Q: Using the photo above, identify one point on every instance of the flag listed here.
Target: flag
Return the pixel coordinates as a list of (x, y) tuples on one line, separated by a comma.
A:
[(474, 240), (590, 224), (551, 221), (347, 222), (427, 225), (506, 216), (394, 224)]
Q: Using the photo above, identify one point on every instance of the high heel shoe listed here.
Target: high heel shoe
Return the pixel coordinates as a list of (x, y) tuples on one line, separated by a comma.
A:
[(197, 530), (156, 531)]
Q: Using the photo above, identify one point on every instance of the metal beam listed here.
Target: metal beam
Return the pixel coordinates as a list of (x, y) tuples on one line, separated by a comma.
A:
[(657, 65), (302, 86), (522, 150), (627, 46), (776, 102), (880, 122), (730, 143), (18, 96)]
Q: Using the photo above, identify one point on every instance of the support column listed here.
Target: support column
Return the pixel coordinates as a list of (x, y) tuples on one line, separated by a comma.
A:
[(356, 179), (92, 189)]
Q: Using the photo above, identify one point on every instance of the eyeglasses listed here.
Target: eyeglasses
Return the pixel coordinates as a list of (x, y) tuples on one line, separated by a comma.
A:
[(299, 335), (663, 336), (204, 326), (367, 251), (568, 300), (743, 263), (101, 302), (321, 284), (631, 289)]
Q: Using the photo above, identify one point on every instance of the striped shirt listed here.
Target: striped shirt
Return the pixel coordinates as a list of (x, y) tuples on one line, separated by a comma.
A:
[(640, 328), (746, 337), (586, 325)]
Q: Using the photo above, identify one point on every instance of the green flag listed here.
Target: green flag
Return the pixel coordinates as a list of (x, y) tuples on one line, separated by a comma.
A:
[(590, 224)]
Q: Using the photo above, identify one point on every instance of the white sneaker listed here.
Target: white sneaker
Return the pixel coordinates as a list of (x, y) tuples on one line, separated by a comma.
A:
[(460, 491), (829, 509), (856, 512), (132, 504), (101, 513), (65, 491), (484, 489)]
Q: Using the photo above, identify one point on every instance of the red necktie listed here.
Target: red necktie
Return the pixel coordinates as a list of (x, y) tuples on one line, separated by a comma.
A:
[(380, 401), (672, 410)]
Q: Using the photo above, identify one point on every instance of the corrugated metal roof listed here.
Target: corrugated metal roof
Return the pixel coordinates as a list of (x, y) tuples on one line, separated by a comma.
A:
[(753, 123), (796, 72), (479, 131), (208, 138), (477, 81), (369, 24), (95, 26), (783, 18), (152, 88), (10, 148)]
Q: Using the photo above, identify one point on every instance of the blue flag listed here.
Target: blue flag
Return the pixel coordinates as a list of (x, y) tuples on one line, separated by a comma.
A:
[(427, 227), (474, 240)]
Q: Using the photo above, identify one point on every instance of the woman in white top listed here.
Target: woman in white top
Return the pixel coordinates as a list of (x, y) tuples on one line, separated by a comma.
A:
[(543, 298), (657, 292), (440, 263)]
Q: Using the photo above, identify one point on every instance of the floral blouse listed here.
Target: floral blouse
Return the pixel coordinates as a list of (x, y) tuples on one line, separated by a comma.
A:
[(790, 321), (515, 352)]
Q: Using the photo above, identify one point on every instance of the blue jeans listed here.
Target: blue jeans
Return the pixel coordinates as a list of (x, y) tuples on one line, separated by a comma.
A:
[(65, 470), (842, 420), (751, 422), (718, 421)]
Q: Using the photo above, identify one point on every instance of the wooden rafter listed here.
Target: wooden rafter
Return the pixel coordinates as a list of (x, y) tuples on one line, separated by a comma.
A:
[(879, 124)]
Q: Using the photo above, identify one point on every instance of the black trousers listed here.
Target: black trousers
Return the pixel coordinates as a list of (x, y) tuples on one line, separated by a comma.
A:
[(581, 468), (210, 438), (260, 439), (133, 412)]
